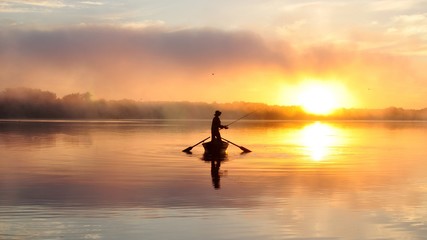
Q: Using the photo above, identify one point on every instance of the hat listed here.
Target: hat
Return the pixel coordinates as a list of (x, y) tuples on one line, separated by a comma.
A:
[(217, 113)]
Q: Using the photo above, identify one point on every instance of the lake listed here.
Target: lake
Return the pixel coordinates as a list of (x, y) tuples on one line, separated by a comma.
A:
[(131, 180)]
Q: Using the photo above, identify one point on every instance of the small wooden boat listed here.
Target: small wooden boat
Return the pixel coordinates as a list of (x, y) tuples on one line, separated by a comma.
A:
[(215, 148), (208, 157)]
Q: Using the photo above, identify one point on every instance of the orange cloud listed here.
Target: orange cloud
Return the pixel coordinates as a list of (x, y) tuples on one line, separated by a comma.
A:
[(197, 65)]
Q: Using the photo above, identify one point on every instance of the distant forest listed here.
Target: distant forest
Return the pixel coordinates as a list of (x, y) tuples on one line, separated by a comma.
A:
[(26, 103)]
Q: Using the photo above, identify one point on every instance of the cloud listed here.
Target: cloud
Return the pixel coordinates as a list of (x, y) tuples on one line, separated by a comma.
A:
[(25, 3), (48, 3), (395, 5), (93, 57), (407, 34), (182, 47), (28, 6), (206, 64), (96, 3), (410, 25)]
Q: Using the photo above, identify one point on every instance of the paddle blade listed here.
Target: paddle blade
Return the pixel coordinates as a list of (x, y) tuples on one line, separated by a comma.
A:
[(245, 149), (187, 150)]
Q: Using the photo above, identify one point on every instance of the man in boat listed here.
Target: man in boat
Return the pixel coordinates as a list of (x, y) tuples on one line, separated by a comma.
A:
[(216, 126)]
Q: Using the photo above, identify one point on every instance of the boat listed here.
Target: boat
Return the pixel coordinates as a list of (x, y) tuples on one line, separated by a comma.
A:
[(208, 157), (215, 148)]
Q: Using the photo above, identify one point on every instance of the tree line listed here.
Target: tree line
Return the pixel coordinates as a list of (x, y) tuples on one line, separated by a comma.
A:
[(27, 103)]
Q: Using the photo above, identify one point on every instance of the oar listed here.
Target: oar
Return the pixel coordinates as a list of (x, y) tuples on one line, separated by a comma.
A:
[(242, 148), (187, 150)]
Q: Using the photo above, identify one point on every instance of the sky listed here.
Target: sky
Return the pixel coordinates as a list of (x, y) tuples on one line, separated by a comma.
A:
[(368, 53)]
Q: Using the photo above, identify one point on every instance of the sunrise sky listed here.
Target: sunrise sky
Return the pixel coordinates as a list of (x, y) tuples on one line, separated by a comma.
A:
[(364, 53)]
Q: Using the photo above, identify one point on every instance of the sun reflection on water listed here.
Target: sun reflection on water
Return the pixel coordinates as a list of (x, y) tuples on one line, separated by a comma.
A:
[(318, 139)]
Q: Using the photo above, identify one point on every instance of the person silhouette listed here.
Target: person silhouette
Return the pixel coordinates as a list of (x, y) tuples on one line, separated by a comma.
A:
[(216, 126)]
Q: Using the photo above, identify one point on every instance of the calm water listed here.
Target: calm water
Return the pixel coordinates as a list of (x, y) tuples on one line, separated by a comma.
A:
[(130, 180)]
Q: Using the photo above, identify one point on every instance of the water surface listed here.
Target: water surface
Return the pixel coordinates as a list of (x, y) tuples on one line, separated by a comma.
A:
[(131, 180)]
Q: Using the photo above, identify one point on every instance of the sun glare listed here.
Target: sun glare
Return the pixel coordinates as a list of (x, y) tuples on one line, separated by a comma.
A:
[(318, 139), (319, 97)]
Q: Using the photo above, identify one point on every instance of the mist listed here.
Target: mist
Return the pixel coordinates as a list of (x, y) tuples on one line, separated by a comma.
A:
[(116, 63), (199, 65), (26, 103)]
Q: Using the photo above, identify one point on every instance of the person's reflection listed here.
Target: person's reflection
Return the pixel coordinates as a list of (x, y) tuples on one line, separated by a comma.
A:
[(215, 161), (215, 165)]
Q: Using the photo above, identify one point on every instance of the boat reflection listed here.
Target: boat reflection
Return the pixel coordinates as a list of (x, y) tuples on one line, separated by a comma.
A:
[(215, 160), (319, 139)]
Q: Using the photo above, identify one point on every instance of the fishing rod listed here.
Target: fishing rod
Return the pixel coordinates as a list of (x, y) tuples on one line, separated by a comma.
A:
[(240, 118)]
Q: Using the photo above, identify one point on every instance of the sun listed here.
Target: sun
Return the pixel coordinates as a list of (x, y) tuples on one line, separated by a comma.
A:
[(319, 98)]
